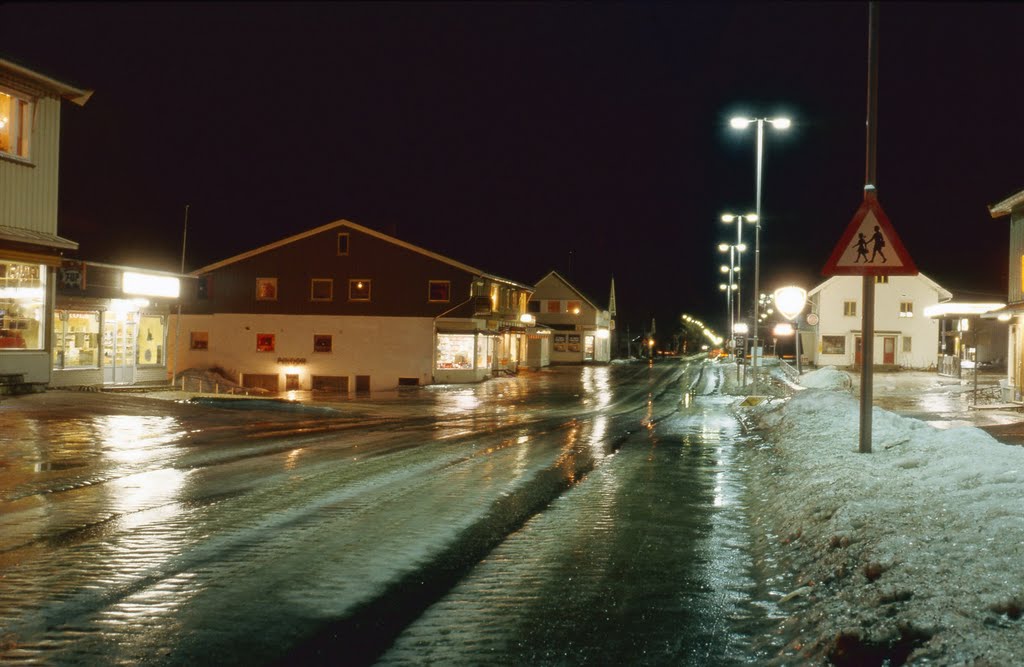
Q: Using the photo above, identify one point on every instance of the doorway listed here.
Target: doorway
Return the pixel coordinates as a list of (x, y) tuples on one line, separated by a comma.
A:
[(119, 347), (889, 350)]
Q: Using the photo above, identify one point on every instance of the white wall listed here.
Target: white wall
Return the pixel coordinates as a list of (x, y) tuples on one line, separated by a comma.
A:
[(385, 348)]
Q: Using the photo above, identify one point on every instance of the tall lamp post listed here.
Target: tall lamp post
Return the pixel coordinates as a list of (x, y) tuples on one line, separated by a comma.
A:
[(729, 218), (741, 124), (732, 270)]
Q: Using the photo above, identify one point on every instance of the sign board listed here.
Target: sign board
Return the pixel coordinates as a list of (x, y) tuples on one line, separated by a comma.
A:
[(870, 246)]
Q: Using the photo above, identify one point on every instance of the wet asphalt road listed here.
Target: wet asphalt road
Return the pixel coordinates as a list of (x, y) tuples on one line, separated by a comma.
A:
[(574, 516)]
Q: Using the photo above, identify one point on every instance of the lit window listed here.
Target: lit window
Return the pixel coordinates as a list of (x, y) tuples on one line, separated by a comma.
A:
[(881, 280), (554, 306), (439, 291), (906, 308), (321, 289), (22, 305), (359, 289), (264, 342), (199, 340), (15, 125), (266, 289), (573, 307), (76, 338), (323, 342), (343, 243), (150, 349), (850, 308), (455, 351)]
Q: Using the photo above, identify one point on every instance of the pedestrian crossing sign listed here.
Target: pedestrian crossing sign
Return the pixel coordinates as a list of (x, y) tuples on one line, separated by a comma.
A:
[(870, 246)]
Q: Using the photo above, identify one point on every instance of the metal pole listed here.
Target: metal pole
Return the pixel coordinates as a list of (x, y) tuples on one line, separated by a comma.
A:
[(739, 260), (871, 175), (177, 323), (757, 249), (799, 370)]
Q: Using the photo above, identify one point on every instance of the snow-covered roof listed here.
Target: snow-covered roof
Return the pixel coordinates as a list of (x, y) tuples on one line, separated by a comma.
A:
[(944, 294)]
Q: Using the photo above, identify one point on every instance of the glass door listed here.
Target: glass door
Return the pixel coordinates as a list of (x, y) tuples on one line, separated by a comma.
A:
[(119, 331)]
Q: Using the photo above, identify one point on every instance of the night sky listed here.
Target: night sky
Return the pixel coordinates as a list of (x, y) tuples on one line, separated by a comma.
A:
[(518, 138)]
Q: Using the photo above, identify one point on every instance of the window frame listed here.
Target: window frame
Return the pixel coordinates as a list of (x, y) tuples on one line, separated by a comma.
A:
[(833, 345), (849, 309), (907, 311), (313, 282), (263, 282), (447, 285), (20, 114), (348, 244), (553, 307), (352, 282), (317, 338), (907, 345), (266, 342), (194, 340)]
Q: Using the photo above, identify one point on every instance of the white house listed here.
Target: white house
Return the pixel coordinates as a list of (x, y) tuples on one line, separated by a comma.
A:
[(904, 336), (580, 329), (30, 249)]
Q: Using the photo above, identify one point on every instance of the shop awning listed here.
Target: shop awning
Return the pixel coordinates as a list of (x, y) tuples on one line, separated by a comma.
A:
[(27, 245)]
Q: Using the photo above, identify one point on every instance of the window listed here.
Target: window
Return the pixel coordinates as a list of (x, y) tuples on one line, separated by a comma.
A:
[(264, 342), (881, 280), (833, 344), (266, 289), (439, 291), (204, 288), (850, 308), (906, 344), (533, 306), (321, 289), (573, 307), (199, 340), (455, 351), (342, 243), (554, 306), (22, 305), (15, 125), (359, 289), (323, 342), (906, 308), (150, 348), (76, 338)]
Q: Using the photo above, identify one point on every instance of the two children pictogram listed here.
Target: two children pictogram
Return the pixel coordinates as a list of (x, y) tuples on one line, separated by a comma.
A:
[(877, 243)]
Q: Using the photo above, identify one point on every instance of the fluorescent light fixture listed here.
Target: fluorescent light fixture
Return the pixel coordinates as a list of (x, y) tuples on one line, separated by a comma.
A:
[(740, 328), (602, 333), (527, 318), (952, 308), (147, 284)]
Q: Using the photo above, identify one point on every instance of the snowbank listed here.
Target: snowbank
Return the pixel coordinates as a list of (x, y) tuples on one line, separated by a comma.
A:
[(914, 550), (828, 377)]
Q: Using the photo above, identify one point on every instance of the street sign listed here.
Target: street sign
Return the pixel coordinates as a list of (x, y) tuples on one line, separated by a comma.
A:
[(870, 246)]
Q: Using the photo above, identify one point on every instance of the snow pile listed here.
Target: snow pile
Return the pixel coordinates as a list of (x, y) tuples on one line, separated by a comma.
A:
[(915, 550), (828, 377)]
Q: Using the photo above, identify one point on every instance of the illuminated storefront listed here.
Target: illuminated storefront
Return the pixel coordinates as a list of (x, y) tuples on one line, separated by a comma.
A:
[(110, 325), (22, 306), (464, 356)]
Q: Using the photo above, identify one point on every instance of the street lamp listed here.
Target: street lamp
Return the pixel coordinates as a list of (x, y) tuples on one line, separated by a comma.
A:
[(732, 270), (742, 124), (729, 218), (790, 301)]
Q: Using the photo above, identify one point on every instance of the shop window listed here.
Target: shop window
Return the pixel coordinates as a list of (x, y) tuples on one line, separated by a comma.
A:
[(906, 308), (455, 351), (76, 339), (323, 342), (342, 243), (554, 306), (321, 289), (265, 342), (533, 306), (199, 340), (266, 289), (573, 307), (150, 347), (833, 344), (291, 383), (15, 125), (850, 308), (22, 305), (359, 289), (439, 291)]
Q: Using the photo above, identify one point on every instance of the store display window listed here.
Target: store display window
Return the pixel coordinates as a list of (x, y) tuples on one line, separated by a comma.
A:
[(76, 339), (150, 347), (22, 305), (455, 351)]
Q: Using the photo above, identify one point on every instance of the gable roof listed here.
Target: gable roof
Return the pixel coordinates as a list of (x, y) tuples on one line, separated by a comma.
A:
[(365, 230), (568, 284), (944, 294), (1006, 206), (40, 83)]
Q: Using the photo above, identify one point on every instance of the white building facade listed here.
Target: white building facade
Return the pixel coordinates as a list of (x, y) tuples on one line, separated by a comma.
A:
[(580, 330), (904, 336)]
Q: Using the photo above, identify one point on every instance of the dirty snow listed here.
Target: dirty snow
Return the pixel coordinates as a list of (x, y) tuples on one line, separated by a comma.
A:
[(913, 552)]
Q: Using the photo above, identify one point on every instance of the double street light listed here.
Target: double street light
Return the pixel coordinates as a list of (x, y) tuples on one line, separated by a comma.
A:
[(742, 124), (729, 218), (732, 269)]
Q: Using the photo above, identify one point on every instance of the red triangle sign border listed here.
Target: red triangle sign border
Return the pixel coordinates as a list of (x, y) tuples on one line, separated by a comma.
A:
[(872, 205)]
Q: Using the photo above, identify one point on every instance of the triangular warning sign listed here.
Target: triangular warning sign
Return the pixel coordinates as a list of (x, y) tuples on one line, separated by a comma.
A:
[(870, 246)]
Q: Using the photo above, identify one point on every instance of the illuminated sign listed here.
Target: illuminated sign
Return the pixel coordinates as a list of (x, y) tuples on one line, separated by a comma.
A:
[(147, 284)]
